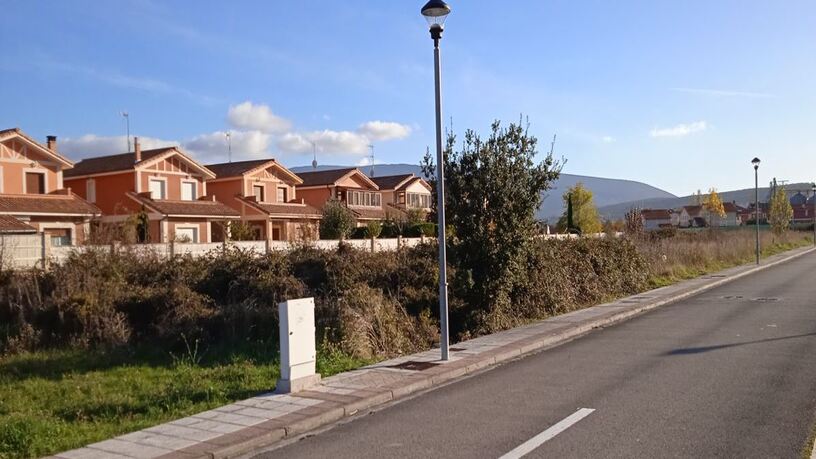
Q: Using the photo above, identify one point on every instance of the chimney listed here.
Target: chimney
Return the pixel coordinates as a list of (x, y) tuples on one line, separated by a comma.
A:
[(137, 150), (51, 143)]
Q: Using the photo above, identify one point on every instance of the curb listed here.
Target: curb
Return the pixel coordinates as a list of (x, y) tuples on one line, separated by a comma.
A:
[(261, 422)]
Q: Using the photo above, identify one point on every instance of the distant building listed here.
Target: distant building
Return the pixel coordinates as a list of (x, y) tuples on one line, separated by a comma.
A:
[(692, 216), (656, 218)]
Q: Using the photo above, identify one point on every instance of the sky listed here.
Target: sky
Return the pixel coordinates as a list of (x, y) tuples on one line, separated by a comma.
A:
[(680, 95)]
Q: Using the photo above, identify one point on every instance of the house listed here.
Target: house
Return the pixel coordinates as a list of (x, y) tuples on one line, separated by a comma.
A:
[(731, 218), (33, 197), (692, 216), (656, 218), (403, 192), (349, 186), (265, 195), (164, 186)]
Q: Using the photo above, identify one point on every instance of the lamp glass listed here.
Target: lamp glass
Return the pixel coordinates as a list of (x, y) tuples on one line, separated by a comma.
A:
[(435, 12)]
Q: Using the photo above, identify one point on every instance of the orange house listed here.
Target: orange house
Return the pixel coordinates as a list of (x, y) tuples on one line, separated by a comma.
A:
[(32, 196), (403, 192), (263, 191), (166, 184), (349, 186)]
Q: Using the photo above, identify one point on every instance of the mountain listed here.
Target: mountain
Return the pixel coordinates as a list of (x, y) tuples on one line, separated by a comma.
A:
[(742, 197), (606, 191)]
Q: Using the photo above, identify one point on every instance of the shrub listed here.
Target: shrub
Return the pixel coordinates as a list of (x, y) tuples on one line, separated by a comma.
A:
[(337, 221), (373, 229)]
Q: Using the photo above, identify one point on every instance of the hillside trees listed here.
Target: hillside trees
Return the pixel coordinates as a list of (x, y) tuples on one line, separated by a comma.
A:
[(584, 213)]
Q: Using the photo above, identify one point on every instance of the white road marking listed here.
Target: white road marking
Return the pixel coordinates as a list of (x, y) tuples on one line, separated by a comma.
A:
[(548, 434)]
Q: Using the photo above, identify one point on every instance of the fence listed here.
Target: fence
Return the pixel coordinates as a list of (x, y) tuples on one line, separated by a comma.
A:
[(20, 251)]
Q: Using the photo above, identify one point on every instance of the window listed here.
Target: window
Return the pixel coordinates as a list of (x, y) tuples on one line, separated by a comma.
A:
[(419, 200), (258, 192), (365, 199), (188, 191), (375, 199), (282, 195), (158, 189), (35, 182), (90, 190), (184, 235), (368, 199), (59, 237)]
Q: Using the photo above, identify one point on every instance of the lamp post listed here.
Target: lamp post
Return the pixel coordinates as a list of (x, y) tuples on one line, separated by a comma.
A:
[(813, 198), (435, 12), (755, 162)]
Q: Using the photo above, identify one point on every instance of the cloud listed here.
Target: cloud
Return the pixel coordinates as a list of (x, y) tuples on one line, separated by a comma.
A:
[(679, 130), (608, 139), (92, 145), (384, 130), (722, 92), (214, 147), (259, 117), (327, 141)]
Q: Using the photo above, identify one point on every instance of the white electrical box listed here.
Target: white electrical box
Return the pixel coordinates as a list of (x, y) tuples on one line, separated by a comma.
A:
[(297, 345)]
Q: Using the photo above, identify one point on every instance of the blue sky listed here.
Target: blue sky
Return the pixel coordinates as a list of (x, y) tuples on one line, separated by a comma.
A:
[(680, 95)]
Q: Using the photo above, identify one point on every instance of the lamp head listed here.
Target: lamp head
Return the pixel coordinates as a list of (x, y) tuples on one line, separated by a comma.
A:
[(435, 12), (755, 162)]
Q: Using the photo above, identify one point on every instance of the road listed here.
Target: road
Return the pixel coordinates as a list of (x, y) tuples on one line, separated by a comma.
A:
[(728, 373)]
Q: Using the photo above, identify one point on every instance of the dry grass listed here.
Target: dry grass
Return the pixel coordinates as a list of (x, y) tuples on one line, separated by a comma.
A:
[(692, 253)]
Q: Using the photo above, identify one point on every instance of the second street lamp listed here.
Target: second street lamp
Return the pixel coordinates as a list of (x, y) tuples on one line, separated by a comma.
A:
[(435, 12), (755, 162), (813, 198)]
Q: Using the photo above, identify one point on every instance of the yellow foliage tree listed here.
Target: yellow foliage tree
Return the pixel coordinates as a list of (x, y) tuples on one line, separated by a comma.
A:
[(780, 212), (713, 204)]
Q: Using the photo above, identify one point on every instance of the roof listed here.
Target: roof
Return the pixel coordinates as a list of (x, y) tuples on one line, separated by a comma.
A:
[(239, 168), (112, 163), (693, 210), (391, 182), (18, 132), (656, 214), (200, 208), (54, 204), (296, 209), (9, 224), (731, 207), (373, 213), (330, 177)]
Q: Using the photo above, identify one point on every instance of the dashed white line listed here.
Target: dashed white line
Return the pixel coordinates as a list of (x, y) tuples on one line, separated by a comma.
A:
[(548, 434)]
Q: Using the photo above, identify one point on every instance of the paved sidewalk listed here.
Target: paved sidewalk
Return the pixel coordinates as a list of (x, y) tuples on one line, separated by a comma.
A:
[(260, 421)]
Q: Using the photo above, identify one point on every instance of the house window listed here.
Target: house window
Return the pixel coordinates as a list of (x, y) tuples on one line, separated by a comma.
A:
[(35, 182), (188, 191), (158, 189), (90, 190), (59, 237), (258, 192), (375, 199), (185, 235), (282, 195), (368, 199)]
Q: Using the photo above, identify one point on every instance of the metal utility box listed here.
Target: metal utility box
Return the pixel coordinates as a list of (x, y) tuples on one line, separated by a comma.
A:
[(297, 345)]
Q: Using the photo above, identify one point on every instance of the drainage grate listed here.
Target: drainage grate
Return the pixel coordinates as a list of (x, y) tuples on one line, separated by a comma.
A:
[(765, 299), (732, 297), (457, 349), (414, 365)]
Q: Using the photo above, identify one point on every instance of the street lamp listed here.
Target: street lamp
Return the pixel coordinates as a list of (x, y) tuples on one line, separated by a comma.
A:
[(813, 198), (435, 12), (755, 162)]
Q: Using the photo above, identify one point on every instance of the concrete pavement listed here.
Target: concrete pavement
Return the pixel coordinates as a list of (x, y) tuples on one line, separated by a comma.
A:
[(247, 425)]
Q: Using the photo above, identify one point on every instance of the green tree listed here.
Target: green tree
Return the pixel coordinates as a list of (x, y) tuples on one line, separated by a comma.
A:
[(241, 231), (373, 229), (493, 189), (780, 212), (714, 205), (584, 213), (337, 221)]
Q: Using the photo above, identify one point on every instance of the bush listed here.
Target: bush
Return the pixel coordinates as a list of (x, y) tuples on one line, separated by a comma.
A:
[(373, 229), (337, 221)]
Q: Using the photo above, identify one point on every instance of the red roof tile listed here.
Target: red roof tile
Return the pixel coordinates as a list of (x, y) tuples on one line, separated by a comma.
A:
[(390, 182), (200, 208), (295, 209), (372, 213), (656, 214), (9, 224), (111, 163), (56, 204)]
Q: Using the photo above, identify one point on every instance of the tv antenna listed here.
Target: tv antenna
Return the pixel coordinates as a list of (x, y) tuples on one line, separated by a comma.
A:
[(127, 123), (371, 158), (228, 135), (552, 145), (314, 154)]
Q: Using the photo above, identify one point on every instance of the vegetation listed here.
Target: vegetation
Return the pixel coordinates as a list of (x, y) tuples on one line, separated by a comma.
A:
[(713, 205), (584, 213), (374, 229), (780, 212), (337, 221)]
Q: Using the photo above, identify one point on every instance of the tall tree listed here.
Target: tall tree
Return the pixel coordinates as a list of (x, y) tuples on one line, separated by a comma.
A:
[(697, 198), (492, 190), (780, 212), (713, 205), (585, 215)]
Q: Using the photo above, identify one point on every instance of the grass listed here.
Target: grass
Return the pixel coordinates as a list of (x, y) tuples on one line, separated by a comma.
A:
[(58, 400)]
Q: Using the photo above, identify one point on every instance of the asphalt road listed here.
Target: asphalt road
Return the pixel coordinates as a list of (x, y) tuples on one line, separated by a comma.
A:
[(728, 373)]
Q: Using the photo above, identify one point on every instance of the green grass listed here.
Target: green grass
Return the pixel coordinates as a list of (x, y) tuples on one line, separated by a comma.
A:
[(57, 400)]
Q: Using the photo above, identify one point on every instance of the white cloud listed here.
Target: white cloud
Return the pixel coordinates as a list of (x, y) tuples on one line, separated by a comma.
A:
[(214, 147), (259, 117), (608, 139), (326, 141), (92, 145), (722, 92), (384, 130), (679, 130)]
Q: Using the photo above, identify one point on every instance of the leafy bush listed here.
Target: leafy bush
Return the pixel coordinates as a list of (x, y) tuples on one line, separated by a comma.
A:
[(337, 221)]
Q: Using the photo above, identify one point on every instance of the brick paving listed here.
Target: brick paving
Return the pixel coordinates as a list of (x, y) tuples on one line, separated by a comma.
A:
[(260, 421)]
